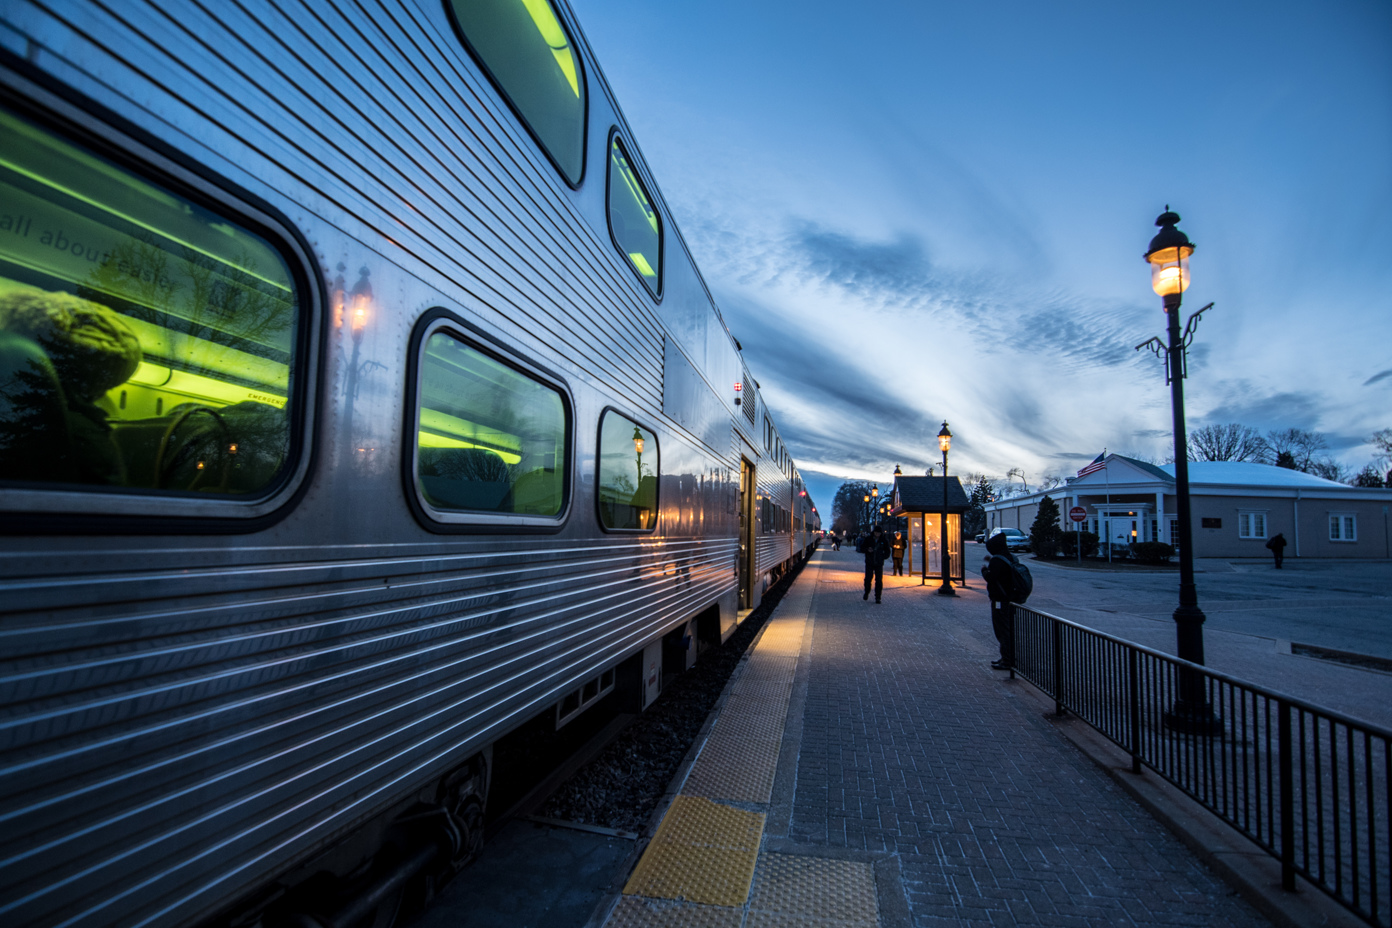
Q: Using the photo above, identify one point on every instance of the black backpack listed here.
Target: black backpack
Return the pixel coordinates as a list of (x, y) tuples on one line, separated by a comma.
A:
[(1021, 583)]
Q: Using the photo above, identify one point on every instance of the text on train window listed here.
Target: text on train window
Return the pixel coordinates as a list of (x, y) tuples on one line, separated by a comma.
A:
[(633, 220), (490, 438), (527, 52), (145, 342), (628, 470)]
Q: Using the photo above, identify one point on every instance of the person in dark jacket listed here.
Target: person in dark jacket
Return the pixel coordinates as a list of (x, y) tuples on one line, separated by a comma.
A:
[(896, 550), (1000, 583), (876, 549), (1278, 548)]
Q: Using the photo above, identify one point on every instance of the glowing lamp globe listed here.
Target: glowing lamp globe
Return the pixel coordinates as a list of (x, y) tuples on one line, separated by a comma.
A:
[(944, 438), (1169, 257)]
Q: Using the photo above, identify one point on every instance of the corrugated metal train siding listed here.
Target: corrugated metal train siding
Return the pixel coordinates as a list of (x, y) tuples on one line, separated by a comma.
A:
[(360, 686)]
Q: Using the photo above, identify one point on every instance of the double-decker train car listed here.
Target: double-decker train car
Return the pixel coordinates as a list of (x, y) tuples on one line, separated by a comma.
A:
[(359, 402)]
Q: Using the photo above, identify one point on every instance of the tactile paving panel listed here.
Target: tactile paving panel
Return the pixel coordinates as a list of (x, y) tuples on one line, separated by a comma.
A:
[(640, 912), (703, 852), (752, 718), (839, 891), (735, 768)]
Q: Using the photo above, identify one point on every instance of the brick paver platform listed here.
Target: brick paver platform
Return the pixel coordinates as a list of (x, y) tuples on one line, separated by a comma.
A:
[(910, 750)]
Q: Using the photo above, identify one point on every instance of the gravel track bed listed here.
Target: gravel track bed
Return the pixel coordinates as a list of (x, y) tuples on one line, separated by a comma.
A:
[(621, 787)]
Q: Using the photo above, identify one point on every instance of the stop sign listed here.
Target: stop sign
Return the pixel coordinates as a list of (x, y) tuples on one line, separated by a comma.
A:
[(1078, 514)]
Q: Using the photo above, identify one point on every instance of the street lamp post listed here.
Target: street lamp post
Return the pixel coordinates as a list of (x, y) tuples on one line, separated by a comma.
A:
[(1168, 256), (945, 442)]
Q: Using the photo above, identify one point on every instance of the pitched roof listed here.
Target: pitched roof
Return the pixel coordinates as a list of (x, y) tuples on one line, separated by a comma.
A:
[(1147, 467), (925, 494), (1249, 474)]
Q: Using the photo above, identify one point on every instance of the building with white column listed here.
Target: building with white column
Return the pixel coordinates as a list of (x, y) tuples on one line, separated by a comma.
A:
[(1237, 507)]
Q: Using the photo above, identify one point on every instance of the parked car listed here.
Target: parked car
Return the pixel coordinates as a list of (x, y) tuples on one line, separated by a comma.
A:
[(981, 538), (1015, 540)]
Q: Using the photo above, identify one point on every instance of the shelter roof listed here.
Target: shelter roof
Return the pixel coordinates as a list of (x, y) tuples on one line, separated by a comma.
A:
[(925, 494)]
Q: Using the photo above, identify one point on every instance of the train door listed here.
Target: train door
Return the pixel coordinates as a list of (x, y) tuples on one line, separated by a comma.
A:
[(746, 535)]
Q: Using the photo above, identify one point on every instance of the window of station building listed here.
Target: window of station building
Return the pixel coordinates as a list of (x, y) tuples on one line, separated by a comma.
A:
[(489, 438), (1343, 526), (629, 465), (146, 342), (527, 52), (634, 223), (1251, 524)]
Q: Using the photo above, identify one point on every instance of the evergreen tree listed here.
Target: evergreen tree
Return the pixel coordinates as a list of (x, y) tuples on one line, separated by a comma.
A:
[(1045, 531), (982, 492)]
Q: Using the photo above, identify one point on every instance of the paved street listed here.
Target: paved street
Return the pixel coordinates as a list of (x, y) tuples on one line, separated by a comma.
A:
[(1254, 613), (911, 746)]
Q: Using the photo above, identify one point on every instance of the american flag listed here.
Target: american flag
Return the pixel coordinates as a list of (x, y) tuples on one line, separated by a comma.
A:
[(1097, 464)]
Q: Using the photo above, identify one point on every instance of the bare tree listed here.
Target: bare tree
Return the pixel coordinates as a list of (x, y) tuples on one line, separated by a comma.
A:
[(1382, 441), (1330, 469), (1017, 472), (1050, 481), (1231, 442), (1295, 448)]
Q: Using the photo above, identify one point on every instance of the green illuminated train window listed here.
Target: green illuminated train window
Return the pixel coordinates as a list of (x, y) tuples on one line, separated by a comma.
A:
[(628, 469), (526, 51), (633, 221), (489, 438), (145, 341)]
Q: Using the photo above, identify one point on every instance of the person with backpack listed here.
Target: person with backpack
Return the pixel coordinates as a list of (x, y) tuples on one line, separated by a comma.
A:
[(1277, 547), (875, 547), (1006, 584)]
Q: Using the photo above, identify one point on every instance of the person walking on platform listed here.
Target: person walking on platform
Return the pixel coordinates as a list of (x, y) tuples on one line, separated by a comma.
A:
[(835, 542), (1277, 547), (1000, 585), (897, 551), (876, 550)]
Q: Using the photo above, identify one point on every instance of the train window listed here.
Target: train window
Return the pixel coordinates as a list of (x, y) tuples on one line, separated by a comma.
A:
[(145, 342), (629, 465), (529, 55), (634, 223), (489, 438)]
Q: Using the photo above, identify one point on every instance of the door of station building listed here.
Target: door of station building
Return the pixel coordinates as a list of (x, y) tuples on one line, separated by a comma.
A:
[(746, 535)]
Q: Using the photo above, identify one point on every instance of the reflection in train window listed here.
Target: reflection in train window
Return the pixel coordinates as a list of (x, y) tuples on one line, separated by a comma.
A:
[(145, 342), (489, 438), (632, 220), (525, 49), (628, 469)]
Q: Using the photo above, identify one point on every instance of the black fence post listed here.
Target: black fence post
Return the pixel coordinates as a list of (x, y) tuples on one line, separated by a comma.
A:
[(1058, 666), (1134, 660), (1286, 771)]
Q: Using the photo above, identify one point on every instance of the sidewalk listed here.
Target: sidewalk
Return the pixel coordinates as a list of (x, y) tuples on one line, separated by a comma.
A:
[(913, 786)]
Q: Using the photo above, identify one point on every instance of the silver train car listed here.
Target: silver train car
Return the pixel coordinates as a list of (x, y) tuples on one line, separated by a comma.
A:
[(359, 402)]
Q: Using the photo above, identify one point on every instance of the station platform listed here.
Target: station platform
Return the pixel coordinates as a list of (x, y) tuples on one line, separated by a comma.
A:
[(866, 767)]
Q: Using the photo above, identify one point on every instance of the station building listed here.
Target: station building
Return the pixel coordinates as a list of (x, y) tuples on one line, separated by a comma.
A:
[(1237, 507)]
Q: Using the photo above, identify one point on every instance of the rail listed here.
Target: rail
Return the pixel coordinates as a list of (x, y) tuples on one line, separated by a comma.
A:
[(1308, 785)]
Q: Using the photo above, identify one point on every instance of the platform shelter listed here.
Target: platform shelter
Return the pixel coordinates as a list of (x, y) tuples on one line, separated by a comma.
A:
[(919, 500)]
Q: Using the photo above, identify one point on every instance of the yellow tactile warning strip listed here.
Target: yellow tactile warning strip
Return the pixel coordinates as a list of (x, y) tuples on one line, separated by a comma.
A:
[(703, 862), (703, 852), (815, 890)]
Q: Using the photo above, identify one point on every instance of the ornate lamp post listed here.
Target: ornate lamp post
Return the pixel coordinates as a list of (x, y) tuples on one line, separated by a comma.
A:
[(945, 442), (638, 446), (1168, 256)]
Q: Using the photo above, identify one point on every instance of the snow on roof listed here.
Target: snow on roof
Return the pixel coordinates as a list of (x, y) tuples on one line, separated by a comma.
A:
[(1248, 474)]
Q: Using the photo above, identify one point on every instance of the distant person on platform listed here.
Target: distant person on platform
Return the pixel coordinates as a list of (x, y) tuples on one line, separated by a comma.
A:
[(1277, 547), (896, 550), (1000, 583), (875, 547), (835, 542)]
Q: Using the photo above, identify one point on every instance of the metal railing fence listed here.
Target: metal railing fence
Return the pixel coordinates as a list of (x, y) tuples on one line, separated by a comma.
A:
[(1308, 785)]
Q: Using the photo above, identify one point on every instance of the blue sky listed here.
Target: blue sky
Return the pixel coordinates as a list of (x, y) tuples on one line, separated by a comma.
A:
[(911, 212)]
